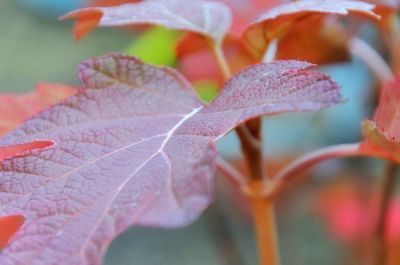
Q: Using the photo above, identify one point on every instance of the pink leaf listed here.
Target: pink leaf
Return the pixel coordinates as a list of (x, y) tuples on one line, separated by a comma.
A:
[(393, 4), (133, 148), (208, 18)]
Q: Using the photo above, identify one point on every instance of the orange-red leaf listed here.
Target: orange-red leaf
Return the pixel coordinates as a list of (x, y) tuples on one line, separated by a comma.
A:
[(15, 108), (9, 225), (387, 115), (87, 20), (278, 22), (197, 62), (383, 133), (16, 150), (311, 40), (379, 143)]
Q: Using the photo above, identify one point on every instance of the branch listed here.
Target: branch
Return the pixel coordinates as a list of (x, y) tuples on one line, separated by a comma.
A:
[(230, 172), (262, 209), (219, 55), (270, 53), (293, 170)]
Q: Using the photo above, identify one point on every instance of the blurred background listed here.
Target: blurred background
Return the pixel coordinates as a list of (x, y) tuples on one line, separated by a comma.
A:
[(318, 220)]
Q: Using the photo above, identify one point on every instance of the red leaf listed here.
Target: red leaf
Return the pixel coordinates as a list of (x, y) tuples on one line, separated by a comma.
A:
[(133, 148), (211, 19), (311, 40), (383, 133), (14, 108), (197, 62), (9, 225), (387, 115), (278, 22)]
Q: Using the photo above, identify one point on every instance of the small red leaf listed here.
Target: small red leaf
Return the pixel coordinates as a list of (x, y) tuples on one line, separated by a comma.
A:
[(20, 149), (207, 18), (9, 225), (15, 108), (383, 133), (87, 20), (387, 115)]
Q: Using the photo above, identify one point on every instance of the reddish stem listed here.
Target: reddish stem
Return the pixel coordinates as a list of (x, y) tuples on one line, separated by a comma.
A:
[(263, 212), (231, 173), (298, 166)]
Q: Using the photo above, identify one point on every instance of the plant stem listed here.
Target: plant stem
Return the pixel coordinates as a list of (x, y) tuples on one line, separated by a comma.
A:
[(270, 53), (388, 187), (374, 61), (262, 208), (265, 228)]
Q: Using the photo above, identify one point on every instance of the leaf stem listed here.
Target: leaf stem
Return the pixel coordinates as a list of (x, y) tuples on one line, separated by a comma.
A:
[(370, 56), (223, 64), (298, 166), (230, 172), (262, 208), (270, 53), (387, 193)]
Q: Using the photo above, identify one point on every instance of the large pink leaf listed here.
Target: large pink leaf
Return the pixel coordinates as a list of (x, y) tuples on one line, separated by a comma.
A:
[(209, 18), (133, 148)]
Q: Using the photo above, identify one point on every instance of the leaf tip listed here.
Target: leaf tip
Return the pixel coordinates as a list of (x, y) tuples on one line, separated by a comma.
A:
[(9, 152), (86, 21)]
